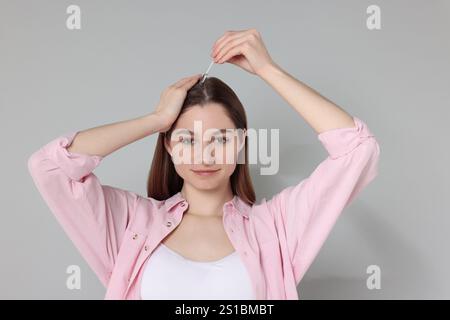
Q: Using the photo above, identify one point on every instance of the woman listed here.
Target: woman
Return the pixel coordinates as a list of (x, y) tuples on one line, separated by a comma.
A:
[(200, 235)]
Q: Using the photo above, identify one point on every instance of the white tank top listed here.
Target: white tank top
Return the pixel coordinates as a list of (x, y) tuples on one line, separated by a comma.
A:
[(169, 275)]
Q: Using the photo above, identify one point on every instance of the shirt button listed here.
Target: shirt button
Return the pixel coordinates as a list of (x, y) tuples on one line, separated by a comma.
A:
[(183, 204), (231, 230), (146, 248), (135, 236), (168, 224)]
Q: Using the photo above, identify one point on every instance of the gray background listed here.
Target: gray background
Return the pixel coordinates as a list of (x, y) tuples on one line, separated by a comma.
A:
[(53, 80)]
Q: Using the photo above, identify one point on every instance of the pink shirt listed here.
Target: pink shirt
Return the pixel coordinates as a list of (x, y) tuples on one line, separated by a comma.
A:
[(116, 230)]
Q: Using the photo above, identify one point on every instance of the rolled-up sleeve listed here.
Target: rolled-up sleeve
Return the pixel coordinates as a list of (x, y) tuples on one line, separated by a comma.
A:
[(306, 212), (93, 215)]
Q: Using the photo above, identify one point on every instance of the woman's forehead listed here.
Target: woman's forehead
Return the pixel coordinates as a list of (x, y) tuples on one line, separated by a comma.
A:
[(209, 117)]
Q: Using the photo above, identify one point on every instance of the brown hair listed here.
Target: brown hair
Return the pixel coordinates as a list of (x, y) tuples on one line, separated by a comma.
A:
[(163, 181)]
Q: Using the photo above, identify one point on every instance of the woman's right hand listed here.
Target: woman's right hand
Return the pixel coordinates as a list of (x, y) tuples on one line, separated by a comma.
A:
[(172, 99)]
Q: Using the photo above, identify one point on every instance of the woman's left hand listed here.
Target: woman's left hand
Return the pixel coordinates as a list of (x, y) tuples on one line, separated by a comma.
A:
[(242, 48)]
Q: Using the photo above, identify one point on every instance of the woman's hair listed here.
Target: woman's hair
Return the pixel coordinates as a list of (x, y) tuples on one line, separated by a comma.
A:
[(163, 181)]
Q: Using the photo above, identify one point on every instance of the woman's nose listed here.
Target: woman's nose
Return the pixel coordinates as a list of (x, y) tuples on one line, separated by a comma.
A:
[(209, 157), (204, 154)]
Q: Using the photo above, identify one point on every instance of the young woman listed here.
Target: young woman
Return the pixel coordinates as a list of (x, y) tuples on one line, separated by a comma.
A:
[(199, 233)]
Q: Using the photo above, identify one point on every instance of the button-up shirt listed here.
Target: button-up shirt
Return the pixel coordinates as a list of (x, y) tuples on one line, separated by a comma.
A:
[(116, 230)]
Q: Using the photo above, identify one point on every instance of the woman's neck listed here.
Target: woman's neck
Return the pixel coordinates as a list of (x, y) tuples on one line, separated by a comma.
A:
[(206, 202)]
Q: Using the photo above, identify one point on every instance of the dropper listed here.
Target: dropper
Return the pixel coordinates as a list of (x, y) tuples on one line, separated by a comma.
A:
[(206, 72)]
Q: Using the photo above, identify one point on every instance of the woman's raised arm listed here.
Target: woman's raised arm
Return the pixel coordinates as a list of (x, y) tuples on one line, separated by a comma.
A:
[(302, 215), (105, 139), (95, 216)]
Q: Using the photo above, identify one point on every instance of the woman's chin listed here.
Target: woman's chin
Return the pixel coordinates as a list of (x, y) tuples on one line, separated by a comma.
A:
[(205, 184)]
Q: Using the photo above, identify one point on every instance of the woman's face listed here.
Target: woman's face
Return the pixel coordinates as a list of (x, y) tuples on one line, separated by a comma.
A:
[(204, 146)]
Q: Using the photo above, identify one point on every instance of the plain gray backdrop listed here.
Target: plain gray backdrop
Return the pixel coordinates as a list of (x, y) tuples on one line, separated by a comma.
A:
[(54, 80)]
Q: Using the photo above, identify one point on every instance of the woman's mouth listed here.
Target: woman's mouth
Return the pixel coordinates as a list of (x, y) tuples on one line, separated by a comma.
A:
[(205, 172)]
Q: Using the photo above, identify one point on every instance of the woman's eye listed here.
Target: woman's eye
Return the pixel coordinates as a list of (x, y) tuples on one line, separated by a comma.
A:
[(221, 140), (189, 140), (186, 140)]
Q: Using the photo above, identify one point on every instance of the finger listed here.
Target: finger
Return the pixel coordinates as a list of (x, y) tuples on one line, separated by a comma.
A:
[(225, 34), (231, 43), (221, 39), (217, 47), (225, 38), (181, 82), (190, 81), (236, 50)]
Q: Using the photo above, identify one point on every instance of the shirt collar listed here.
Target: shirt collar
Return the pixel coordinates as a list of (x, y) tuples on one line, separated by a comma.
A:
[(237, 203)]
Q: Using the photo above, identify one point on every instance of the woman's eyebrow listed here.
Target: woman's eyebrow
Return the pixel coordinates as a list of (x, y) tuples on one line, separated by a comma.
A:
[(213, 131), (185, 131), (222, 130)]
